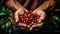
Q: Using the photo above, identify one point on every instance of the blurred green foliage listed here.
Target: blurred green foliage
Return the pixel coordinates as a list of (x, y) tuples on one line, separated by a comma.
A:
[(56, 20), (5, 23)]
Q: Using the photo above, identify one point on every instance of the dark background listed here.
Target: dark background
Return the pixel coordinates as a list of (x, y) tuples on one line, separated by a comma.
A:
[(5, 12)]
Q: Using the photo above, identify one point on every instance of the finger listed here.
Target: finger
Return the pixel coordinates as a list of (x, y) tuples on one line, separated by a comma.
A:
[(31, 29), (21, 11), (11, 15), (25, 10), (39, 12), (33, 12), (42, 15), (22, 25), (35, 27), (16, 16), (13, 22), (39, 20), (23, 28), (38, 25)]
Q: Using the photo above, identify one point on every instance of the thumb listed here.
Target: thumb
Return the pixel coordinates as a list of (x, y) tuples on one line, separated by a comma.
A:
[(42, 15), (21, 11), (22, 25), (34, 12), (16, 16), (26, 10), (30, 29), (38, 25)]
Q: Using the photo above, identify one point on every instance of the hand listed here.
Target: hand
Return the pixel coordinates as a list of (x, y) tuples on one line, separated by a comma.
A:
[(21, 25), (40, 20), (19, 12), (16, 18), (36, 27)]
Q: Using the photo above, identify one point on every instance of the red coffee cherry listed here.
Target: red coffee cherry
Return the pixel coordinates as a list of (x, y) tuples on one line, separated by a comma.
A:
[(29, 18)]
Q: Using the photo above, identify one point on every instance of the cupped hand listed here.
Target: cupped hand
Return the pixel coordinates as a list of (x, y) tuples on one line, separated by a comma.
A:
[(16, 18), (40, 20), (19, 12)]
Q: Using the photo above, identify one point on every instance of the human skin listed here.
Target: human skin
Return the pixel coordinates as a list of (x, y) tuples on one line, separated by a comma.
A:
[(17, 7)]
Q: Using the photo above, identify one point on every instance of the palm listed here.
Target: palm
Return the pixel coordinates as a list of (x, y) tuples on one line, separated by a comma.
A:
[(42, 17)]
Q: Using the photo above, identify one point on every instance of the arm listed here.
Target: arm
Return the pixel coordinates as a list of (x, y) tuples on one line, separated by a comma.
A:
[(13, 4), (47, 4)]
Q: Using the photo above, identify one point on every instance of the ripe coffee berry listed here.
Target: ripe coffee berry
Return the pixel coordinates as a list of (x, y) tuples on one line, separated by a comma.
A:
[(29, 18)]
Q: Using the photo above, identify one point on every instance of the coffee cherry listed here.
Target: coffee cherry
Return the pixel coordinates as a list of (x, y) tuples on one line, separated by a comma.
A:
[(35, 23), (32, 22), (28, 14), (29, 18), (21, 16), (34, 15), (38, 16), (24, 22), (22, 19)]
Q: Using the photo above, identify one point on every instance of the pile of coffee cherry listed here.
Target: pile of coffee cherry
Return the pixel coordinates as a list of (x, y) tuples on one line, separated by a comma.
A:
[(29, 18)]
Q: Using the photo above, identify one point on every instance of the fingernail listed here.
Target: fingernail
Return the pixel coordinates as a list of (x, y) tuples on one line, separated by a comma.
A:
[(39, 20), (16, 20), (30, 28), (33, 26)]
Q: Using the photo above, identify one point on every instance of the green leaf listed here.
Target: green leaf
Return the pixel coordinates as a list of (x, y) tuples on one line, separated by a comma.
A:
[(56, 25), (56, 19), (3, 27), (5, 23), (6, 10), (8, 24), (2, 14)]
